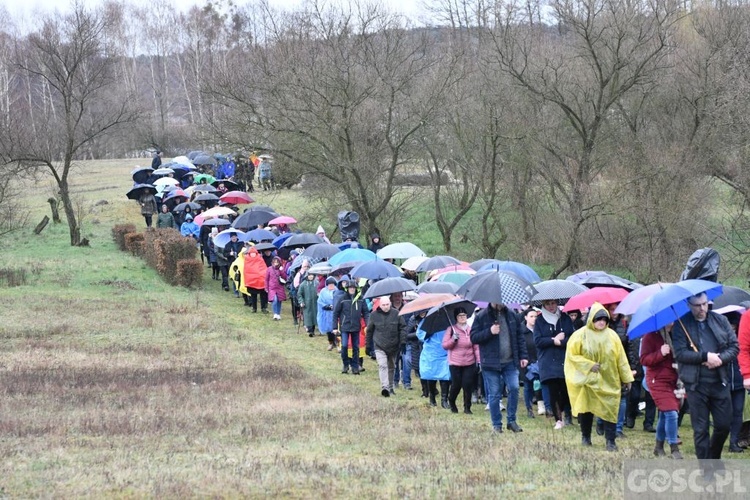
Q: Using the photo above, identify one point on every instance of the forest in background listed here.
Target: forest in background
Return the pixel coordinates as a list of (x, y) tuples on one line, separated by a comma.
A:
[(579, 134)]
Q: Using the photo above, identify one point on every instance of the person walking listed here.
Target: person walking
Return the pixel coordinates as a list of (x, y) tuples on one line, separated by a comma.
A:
[(596, 372), (276, 286), (165, 219), (148, 207), (307, 298), (463, 357), (349, 311), (386, 333), (325, 312)]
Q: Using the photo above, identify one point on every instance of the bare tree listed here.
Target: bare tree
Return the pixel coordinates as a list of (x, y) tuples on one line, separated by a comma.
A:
[(65, 61)]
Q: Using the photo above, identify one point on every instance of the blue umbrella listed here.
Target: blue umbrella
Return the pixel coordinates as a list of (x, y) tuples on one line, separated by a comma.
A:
[(375, 270), (669, 305), (348, 244), (279, 240), (259, 235), (478, 264), (350, 255), (516, 268)]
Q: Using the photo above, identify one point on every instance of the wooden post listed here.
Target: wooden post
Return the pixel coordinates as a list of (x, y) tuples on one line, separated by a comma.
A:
[(40, 227), (55, 213)]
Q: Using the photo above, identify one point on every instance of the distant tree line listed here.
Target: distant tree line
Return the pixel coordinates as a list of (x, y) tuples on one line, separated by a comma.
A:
[(589, 133)]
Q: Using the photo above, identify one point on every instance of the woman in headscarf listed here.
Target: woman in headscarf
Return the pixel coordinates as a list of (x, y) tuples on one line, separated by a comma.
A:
[(596, 370), (552, 332)]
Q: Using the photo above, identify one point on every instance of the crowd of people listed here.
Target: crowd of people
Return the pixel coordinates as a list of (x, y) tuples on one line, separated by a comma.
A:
[(575, 367)]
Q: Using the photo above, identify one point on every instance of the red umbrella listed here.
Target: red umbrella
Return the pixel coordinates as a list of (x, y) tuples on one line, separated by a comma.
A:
[(283, 219), (603, 295), (236, 198)]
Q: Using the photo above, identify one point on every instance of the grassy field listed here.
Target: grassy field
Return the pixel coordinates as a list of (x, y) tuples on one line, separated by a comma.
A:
[(115, 384)]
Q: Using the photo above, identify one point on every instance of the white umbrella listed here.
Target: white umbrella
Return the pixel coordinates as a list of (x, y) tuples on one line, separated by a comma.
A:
[(412, 263), (183, 160), (403, 250), (166, 181), (218, 212)]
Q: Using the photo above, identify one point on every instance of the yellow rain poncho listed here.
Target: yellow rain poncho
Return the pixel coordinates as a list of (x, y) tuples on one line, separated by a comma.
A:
[(597, 393)]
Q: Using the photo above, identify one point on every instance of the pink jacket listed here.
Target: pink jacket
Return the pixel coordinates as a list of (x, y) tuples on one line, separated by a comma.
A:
[(461, 352), (274, 287)]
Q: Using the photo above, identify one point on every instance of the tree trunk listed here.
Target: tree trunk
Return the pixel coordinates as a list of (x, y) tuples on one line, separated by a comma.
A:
[(55, 212), (70, 214), (42, 224)]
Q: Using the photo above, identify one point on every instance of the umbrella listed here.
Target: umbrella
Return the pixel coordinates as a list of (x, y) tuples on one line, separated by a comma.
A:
[(437, 287), (200, 177), (345, 267), (183, 160), (206, 197), (253, 218), (729, 309), (348, 244), (236, 198), (264, 246), (602, 294), (426, 302), (400, 251), (191, 155), (166, 181), (301, 240), (593, 279), (478, 264), (516, 268), (375, 270), (436, 262), (139, 189), (668, 305), (497, 287), (221, 239), (559, 290), (163, 171), (279, 240), (457, 278), (323, 268), (230, 185), (181, 207), (388, 286), (216, 211), (176, 193), (440, 317), (215, 222), (412, 263), (296, 263), (141, 174), (282, 219), (632, 302), (203, 159), (320, 251), (259, 235), (351, 255), (732, 296), (205, 188)]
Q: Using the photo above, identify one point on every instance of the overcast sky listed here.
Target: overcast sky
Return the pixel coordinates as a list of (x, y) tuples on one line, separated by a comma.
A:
[(410, 8)]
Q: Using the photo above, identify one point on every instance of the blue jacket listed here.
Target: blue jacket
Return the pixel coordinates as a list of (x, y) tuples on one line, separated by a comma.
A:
[(489, 344), (325, 310), (190, 229), (551, 358), (433, 361)]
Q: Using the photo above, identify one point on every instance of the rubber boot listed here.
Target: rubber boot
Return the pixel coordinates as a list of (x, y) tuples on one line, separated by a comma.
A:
[(659, 449), (444, 401), (675, 449), (445, 387), (432, 399), (425, 388)]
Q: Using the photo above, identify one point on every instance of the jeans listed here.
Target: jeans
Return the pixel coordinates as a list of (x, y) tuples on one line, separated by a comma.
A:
[(386, 367), (546, 398), (528, 393), (738, 404), (276, 306), (666, 427), (496, 380), (712, 399), (354, 360), (403, 367)]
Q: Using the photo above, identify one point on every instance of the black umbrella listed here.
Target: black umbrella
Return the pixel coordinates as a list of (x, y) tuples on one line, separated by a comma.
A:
[(439, 318), (191, 155), (593, 279), (437, 262), (203, 160), (263, 208), (216, 222), (320, 251), (206, 197), (376, 270), (388, 286), (205, 188), (497, 287), (141, 174), (301, 240), (559, 290), (732, 296), (437, 287), (253, 218), (230, 185), (265, 246), (139, 189), (181, 207)]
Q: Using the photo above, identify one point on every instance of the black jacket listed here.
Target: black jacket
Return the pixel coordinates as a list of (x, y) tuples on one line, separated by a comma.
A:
[(551, 357), (386, 331), (348, 313), (689, 361), (489, 344)]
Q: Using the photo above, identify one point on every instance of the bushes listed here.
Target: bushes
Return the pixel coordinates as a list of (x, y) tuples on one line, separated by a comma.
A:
[(171, 254), (10, 277), (119, 232)]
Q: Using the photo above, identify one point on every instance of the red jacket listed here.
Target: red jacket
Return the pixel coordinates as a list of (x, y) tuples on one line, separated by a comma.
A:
[(743, 337), (661, 377), (461, 352)]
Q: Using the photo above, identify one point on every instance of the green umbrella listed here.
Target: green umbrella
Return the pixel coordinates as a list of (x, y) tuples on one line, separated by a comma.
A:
[(209, 178)]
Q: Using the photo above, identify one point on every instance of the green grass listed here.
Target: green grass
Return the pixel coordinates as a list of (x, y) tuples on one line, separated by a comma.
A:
[(115, 384)]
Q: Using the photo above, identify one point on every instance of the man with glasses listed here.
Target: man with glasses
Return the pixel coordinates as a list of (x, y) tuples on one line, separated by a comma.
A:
[(703, 345)]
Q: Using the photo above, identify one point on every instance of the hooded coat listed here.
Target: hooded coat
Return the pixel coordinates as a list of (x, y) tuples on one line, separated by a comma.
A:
[(275, 288), (325, 310), (598, 393), (433, 360), (307, 294), (661, 377), (254, 270)]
